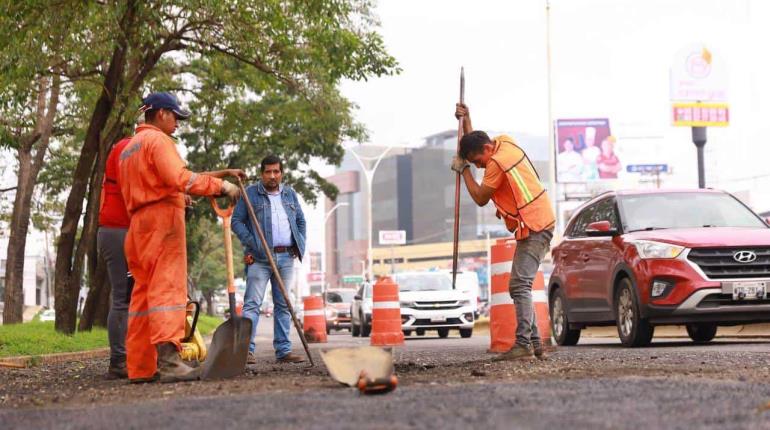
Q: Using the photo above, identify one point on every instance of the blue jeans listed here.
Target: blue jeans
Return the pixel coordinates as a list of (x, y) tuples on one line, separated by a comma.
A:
[(257, 276)]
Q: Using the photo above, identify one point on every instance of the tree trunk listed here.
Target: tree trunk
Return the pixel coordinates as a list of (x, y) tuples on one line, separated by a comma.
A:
[(209, 296), (29, 168), (97, 303), (68, 268)]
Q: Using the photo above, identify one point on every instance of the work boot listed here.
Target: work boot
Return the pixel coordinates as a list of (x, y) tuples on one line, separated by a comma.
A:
[(290, 358), (152, 378), (171, 367), (116, 371), (518, 352), (540, 353), (252, 358)]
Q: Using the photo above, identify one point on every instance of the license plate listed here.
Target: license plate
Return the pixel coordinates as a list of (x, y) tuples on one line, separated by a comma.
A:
[(746, 290), (437, 319)]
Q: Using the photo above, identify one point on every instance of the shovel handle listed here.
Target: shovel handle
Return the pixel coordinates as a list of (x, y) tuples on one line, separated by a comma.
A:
[(226, 214)]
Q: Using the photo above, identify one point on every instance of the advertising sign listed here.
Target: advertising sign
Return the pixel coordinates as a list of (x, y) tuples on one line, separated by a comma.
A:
[(700, 114), (392, 237), (647, 168), (585, 150), (697, 75)]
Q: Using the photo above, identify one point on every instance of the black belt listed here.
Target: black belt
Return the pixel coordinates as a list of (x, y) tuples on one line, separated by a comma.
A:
[(282, 249)]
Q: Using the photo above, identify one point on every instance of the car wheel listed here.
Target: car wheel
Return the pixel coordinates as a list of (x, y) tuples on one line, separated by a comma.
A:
[(443, 332), (564, 335), (465, 333), (407, 332), (420, 332), (366, 328), (632, 328), (355, 329), (702, 332)]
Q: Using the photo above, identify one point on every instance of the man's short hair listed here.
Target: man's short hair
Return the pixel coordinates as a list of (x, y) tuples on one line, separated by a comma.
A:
[(271, 159), (149, 116), (473, 143)]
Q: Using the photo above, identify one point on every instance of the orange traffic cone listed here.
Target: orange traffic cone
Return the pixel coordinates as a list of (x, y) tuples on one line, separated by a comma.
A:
[(314, 320), (386, 314), (502, 313)]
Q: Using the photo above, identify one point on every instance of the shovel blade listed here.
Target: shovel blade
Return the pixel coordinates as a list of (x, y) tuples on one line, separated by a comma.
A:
[(346, 364), (229, 350)]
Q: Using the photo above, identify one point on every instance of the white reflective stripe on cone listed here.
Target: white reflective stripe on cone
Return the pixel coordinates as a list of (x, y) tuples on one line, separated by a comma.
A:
[(500, 268), (501, 299), (538, 296), (314, 313), (386, 305)]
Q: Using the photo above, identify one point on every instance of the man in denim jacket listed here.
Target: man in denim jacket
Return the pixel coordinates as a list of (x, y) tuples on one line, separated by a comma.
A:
[(283, 223)]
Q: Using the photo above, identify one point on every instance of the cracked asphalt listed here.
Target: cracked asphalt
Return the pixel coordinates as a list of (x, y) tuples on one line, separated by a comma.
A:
[(443, 383)]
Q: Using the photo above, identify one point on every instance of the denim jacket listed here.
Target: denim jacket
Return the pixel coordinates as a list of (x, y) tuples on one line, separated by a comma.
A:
[(247, 234)]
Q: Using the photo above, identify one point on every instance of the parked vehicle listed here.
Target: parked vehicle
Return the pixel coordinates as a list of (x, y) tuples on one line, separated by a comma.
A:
[(638, 259), (428, 302), (340, 301), (468, 283), (48, 315), (361, 311)]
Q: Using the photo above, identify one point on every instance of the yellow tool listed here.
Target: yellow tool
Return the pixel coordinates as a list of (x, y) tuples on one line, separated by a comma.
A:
[(193, 346)]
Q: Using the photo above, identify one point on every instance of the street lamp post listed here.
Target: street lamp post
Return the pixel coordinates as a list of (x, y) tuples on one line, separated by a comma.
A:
[(323, 260), (369, 175)]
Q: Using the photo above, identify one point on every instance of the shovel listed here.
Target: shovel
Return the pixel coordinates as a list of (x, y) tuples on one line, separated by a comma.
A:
[(276, 272), (230, 346)]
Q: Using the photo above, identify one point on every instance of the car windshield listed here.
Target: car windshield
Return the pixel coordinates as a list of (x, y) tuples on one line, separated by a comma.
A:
[(685, 210), (340, 296), (433, 281)]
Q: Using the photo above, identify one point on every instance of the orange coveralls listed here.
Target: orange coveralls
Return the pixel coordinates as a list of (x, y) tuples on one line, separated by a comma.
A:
[(153, 181)]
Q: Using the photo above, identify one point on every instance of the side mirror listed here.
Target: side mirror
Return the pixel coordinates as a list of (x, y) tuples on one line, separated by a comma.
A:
[(357, 297), (601, 229)]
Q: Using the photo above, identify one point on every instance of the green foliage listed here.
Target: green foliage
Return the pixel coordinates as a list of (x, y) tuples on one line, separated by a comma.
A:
[(205, 253), (207, 324)]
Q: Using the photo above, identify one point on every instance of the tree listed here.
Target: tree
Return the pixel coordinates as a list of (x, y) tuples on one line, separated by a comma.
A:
[(206, 256), (294, 51)]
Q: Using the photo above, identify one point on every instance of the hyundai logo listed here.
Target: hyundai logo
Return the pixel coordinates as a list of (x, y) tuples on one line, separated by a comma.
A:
[(745, 256)]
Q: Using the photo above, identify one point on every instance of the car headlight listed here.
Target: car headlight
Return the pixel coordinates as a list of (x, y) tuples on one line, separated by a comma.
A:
[(408, 304), (331, 313), (650, 249)]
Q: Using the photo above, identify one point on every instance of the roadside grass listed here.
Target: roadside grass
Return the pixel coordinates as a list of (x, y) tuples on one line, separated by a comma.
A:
[(37, 338)]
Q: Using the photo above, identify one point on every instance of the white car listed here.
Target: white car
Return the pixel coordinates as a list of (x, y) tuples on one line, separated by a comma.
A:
[(428, 302), (468, 283), (361, 311), (48, 315)]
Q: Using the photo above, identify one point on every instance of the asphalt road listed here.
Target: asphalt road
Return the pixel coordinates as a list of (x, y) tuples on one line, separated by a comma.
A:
[(444, 383)]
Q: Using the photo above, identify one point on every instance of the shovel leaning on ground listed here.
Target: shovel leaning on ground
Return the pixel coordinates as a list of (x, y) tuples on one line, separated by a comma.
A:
[(276, 272), (230, 345)]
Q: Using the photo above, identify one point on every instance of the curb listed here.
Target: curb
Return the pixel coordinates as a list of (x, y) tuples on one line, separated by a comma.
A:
[(25, 361)]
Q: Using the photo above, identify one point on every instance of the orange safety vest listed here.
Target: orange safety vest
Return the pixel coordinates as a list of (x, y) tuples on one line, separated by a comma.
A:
[(521, 200)]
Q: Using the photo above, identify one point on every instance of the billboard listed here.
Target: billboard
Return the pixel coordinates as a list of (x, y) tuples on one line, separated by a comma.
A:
[(585, 151)]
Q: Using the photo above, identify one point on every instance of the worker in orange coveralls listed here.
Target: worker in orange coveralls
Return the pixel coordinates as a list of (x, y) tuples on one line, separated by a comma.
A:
[(153, 182)]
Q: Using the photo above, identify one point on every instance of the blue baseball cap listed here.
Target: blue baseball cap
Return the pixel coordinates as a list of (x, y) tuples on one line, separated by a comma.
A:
[(166, 101)]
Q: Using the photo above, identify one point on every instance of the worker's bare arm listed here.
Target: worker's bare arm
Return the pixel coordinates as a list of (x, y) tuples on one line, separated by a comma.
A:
[(461, 110), (221, 174), (481, 194)]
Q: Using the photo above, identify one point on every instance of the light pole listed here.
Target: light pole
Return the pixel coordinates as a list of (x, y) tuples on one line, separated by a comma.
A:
[(369, 174), (323, 260)]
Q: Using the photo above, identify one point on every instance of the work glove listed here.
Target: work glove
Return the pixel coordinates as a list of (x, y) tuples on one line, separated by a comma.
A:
[(230, 190), (459, 164)]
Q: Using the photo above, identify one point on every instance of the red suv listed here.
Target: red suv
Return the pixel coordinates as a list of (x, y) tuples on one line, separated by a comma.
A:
[(637, 259)]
